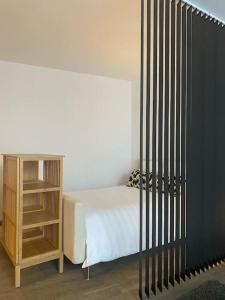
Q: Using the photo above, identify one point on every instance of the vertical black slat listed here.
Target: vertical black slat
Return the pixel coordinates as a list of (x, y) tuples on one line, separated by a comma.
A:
[(210, 118), (183, 139), (192, 212), (147, 143), (172, 133), (160, 138), (141, 150), (198, 169), (188, 143), (219, 148), (166, 140), (195, 216), (204, 142), (154, 132), (220, 143), (178, 140), (204, 57)]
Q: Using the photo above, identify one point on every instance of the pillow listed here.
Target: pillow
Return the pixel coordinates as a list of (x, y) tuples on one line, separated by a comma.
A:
[(171, 189), (174, 185), (135, 179)]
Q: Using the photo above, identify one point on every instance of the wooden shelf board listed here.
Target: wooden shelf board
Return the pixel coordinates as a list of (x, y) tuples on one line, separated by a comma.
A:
[(32, 208), (30, 187), (36, 260), (32, 234), (35, 157), (36, 248), (38, 218)]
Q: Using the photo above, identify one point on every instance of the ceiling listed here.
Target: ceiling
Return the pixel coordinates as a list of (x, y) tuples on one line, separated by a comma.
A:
[(212, 7), (89, 36)]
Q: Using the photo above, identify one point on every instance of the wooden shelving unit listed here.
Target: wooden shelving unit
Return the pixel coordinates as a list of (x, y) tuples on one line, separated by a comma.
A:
[(32, 210)]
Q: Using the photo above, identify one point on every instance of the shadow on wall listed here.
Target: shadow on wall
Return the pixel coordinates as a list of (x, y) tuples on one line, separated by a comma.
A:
[(136, 164), (124, 179)]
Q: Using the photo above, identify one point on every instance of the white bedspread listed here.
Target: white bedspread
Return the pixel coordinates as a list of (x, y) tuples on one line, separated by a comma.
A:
[(111, 222)]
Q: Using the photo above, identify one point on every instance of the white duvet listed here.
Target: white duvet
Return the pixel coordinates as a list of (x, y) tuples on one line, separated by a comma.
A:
[(110, 220)]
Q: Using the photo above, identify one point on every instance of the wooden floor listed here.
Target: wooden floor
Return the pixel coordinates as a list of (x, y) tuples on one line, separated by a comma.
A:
[(116, 280)]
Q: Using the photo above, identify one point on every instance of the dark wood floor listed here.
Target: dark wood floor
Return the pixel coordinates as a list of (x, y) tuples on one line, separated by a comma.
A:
[(116, 280)]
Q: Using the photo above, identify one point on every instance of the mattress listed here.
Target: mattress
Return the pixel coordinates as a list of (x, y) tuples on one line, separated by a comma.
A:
[(101, 225)]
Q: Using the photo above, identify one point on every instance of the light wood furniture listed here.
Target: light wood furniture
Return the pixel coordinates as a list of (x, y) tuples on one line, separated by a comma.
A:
[(32, 210)]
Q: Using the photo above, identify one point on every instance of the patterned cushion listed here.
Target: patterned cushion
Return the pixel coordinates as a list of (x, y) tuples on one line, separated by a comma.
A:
[(171, 189), (134, 181), (174, 185)]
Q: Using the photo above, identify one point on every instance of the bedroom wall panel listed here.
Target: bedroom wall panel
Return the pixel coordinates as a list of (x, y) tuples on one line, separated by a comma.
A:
[(88, 118)]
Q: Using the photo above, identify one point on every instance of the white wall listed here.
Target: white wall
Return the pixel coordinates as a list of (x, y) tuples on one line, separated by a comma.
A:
[(135, 123), (87, 118)]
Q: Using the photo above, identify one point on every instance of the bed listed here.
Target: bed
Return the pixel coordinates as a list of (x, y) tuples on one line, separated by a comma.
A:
[(101, 225)]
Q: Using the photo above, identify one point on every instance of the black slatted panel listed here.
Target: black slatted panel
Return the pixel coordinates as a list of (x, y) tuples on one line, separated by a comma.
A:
[(148, 54), (141, 148), (205, 160), (185, 124), (160, 138), (154, 141), (166, 140), (183, 139), (172, 141), (178, 139)]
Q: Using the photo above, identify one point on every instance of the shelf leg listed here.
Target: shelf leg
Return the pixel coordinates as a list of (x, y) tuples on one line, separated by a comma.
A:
[(17, 276), (61, 263)]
